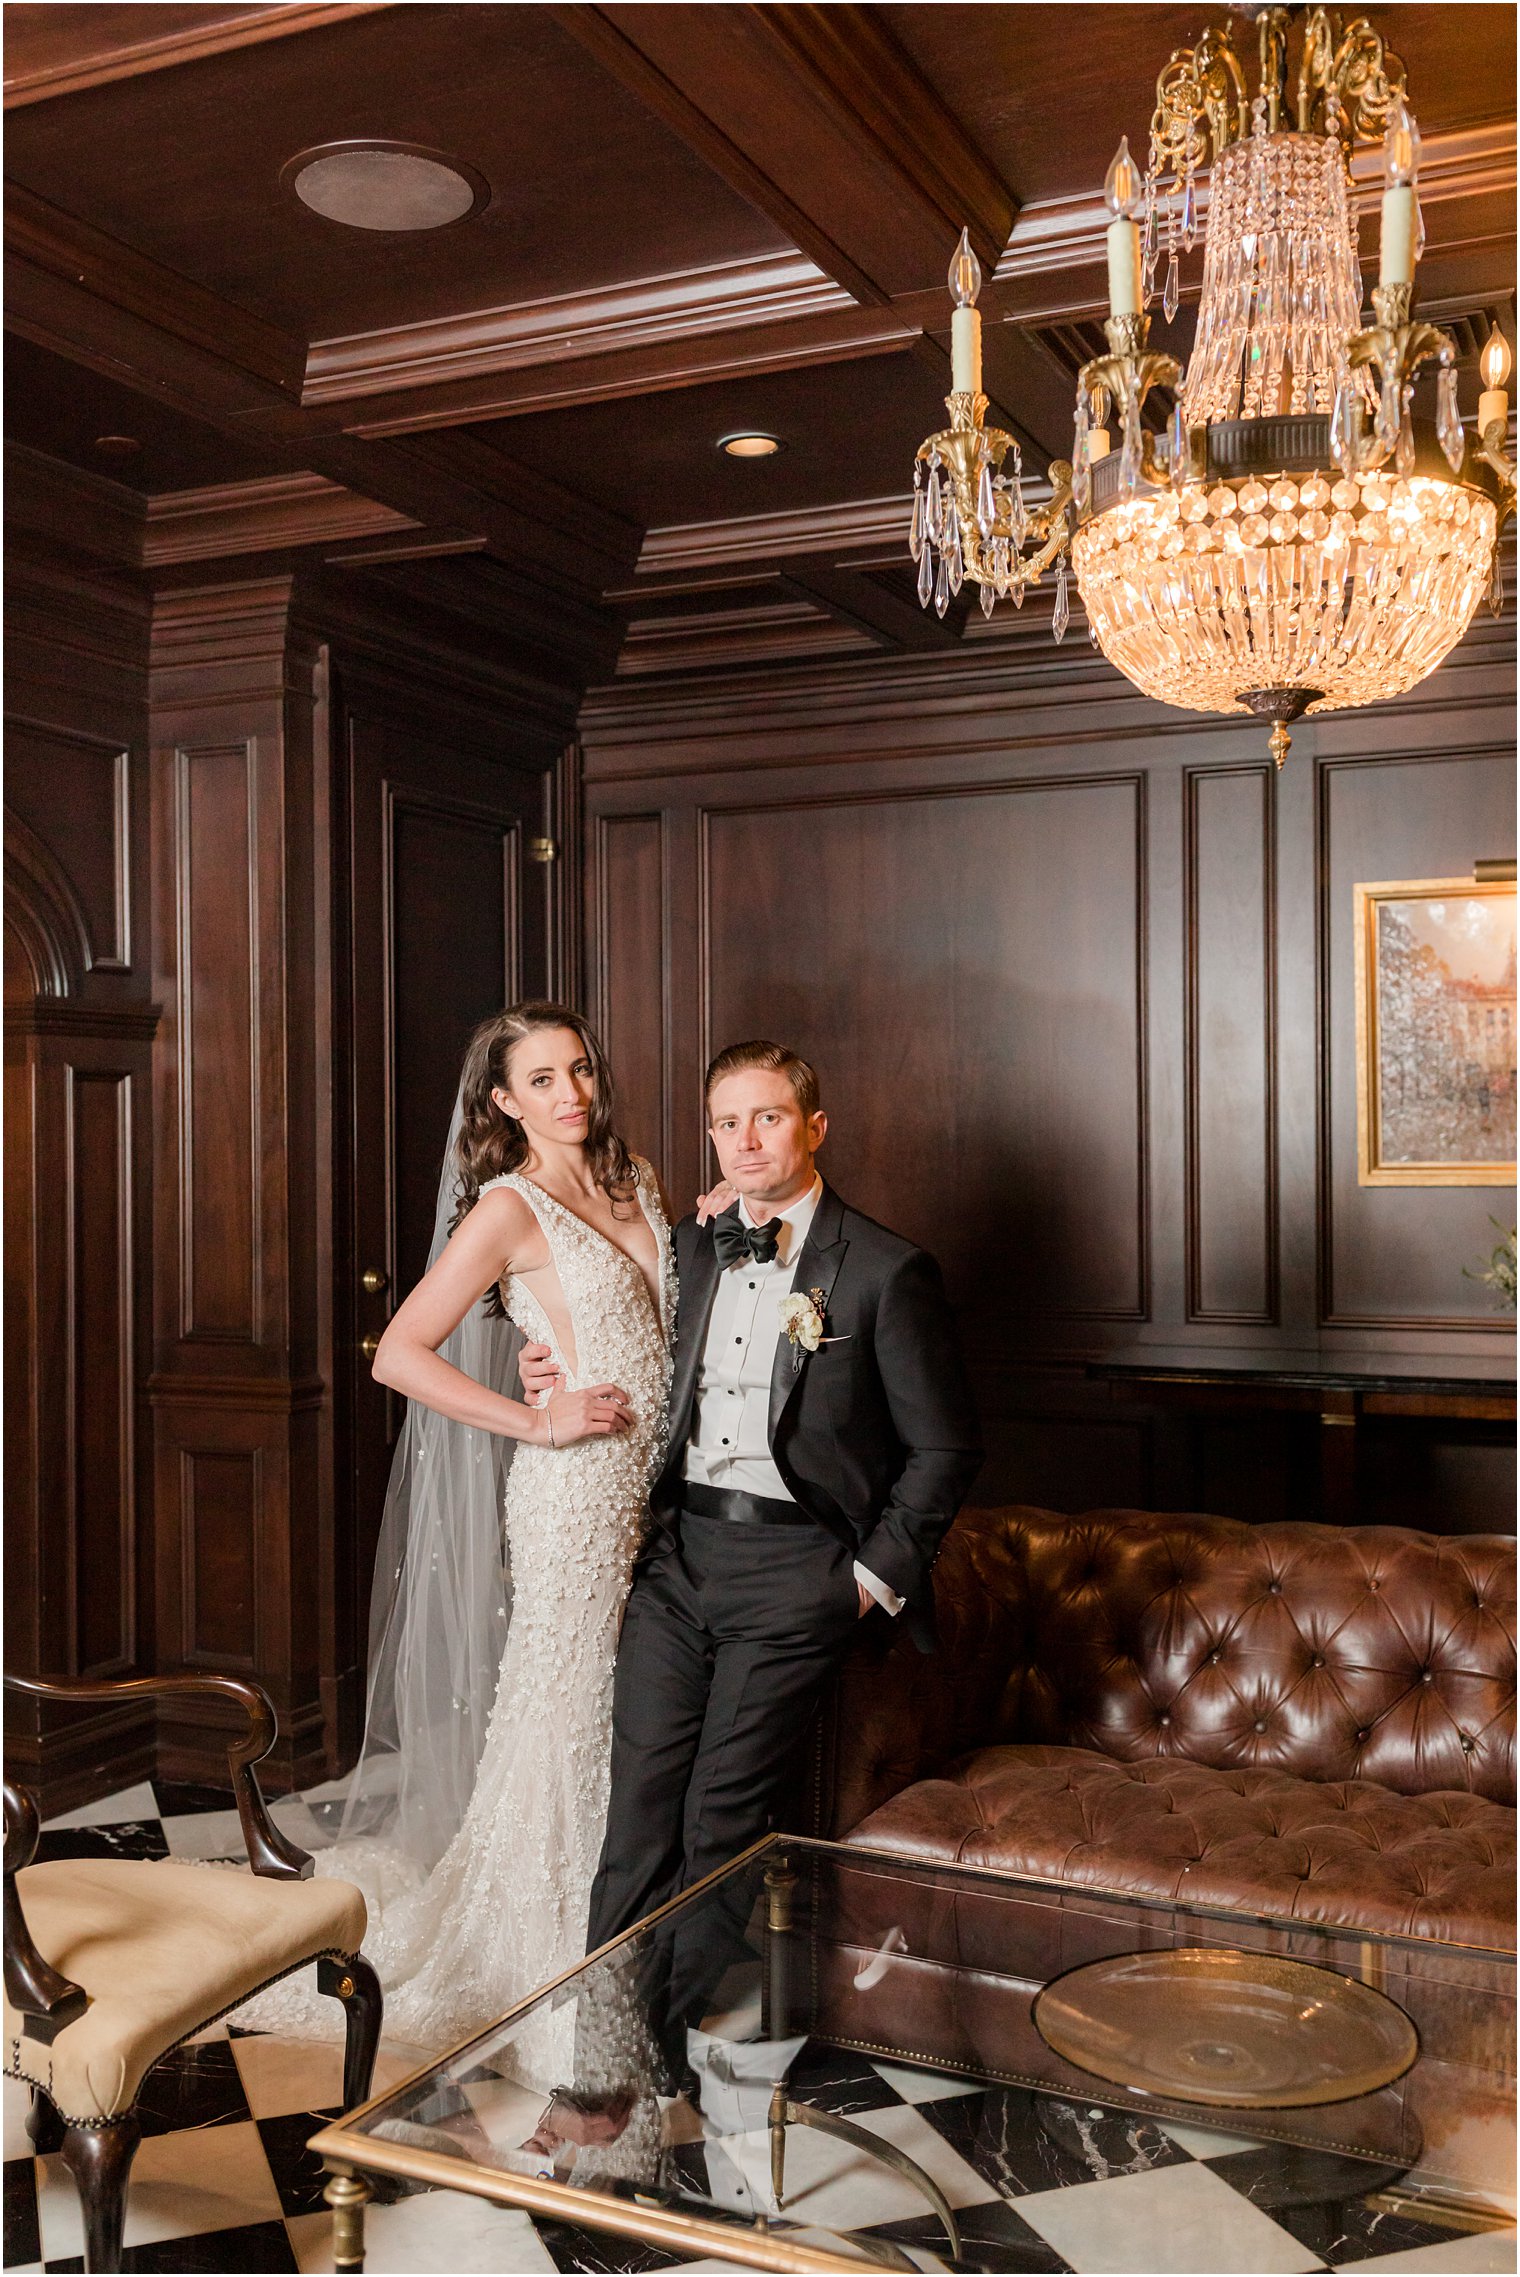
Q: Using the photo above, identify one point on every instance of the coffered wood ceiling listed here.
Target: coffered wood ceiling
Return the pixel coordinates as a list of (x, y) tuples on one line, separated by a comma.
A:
[(701, 218)]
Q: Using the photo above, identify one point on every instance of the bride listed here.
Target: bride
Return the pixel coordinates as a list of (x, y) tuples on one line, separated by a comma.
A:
[(475, 1817)]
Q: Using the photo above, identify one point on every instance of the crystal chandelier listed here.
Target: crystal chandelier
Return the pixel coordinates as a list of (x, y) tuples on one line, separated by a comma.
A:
[(1295, 538)]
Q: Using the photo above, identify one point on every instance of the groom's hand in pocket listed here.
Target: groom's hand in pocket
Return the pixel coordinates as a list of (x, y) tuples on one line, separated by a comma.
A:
[(541, 1376)]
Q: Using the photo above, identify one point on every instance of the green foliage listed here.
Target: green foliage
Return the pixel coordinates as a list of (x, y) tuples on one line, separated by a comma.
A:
[(1499, 1273)]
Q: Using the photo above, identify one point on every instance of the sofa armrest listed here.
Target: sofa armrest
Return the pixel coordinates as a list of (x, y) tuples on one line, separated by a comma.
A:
[(269, 1854), (896, 1714)]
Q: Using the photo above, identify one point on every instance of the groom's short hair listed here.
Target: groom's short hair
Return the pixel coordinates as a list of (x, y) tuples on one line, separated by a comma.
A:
[(776, 1059)]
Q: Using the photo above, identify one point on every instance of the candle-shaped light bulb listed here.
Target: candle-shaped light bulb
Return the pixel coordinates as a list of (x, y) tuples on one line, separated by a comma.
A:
[(1122, 185), (1401, 145), (965, 324), (1121, 190), (965, 274), (1401, 219), (1495, 363)]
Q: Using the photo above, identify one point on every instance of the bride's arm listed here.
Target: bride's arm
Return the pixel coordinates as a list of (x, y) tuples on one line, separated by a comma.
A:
[(475, 1258)]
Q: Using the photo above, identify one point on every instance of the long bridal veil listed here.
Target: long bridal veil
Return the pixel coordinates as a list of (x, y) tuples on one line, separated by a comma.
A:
[(442, 1597)]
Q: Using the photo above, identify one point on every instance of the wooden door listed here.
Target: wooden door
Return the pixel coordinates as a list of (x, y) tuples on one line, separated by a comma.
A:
[(448, 920)]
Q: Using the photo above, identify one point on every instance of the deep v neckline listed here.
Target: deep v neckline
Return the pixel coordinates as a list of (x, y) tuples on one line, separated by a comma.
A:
[(656, 1305)]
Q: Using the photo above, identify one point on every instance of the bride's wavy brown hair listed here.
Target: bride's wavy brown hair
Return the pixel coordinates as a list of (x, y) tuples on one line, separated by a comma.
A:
[(491, 1142)]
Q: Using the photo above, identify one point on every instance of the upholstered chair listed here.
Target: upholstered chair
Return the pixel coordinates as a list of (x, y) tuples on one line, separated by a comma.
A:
[(110, 1963)]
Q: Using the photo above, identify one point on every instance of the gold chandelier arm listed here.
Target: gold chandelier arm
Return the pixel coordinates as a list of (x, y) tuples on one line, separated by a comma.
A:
[(1272, 41), (1199, 83), (1365, 76), (1490, 448)]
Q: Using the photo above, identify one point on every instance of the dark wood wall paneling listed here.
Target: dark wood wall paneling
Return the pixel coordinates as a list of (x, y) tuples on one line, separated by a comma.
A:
[(1078, 975), (79, 1025), (269, 855)]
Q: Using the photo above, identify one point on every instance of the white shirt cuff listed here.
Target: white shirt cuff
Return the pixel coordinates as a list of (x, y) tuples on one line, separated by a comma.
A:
[(886, 1598)]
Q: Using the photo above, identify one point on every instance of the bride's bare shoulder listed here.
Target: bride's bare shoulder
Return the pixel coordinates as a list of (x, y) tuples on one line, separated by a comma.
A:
[(502, 1220)]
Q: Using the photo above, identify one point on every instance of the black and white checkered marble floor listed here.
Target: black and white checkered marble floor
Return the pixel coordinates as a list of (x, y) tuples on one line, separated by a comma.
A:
[(223, 2180)]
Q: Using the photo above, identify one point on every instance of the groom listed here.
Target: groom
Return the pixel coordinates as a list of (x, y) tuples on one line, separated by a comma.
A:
[(822, 1438)]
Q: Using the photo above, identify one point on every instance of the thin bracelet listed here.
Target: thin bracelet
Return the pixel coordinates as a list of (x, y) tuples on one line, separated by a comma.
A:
[(549, 1419)]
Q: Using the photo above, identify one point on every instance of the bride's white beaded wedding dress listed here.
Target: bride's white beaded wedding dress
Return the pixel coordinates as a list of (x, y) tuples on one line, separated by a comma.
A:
[(504, 1910)]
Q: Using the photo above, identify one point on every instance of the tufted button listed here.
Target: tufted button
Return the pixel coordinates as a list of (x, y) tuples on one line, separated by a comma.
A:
[(1363, 1736), (1214, 1659), (1426, 1676), (1258, 1725), (1166, 1719), (1317, 1661), (1274, 1589), (1468, 1743)]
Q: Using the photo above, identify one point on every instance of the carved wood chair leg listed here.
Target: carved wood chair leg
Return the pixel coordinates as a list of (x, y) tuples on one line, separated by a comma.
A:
[(100, 2160), (357, 1986), (44, 2125)]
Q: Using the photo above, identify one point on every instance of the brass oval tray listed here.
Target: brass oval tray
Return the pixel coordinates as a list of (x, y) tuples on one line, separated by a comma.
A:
[(1248, 2030)]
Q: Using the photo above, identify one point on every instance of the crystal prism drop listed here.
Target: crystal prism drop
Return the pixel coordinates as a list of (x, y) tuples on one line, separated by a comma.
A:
[(1343, 423), (986, 504), (935, 507), (942, 588), (988, 598), (1189, 214), (953, 553), (916, 533), (1019, 528), (1092, 633), (1496, 587), (1018, 592), (1449, 419), (1403, 450), (1062, 616), (1171, 296), (1390, 412), (1129, 456), (926, 576), (1177, 430)]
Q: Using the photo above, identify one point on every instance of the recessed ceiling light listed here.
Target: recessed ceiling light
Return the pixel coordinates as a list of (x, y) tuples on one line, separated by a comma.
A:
[(117, 446), (385, 185), (748, 446)]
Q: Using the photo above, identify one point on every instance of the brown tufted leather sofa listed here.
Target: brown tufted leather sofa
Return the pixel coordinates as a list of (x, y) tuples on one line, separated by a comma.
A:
[(1315, 1723)]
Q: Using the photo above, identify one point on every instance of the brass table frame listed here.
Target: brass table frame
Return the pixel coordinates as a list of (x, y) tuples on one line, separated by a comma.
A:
[(349, 2153)]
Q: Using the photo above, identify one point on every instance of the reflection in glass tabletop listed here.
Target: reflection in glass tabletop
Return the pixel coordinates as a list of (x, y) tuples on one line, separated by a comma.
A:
[(827, 2058)]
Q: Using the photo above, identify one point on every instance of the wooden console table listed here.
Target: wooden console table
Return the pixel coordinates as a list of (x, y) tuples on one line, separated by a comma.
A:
[(1340, 1389)]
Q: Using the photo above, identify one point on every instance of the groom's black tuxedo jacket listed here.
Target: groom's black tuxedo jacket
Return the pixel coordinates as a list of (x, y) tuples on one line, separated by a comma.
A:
[(875, 1434)]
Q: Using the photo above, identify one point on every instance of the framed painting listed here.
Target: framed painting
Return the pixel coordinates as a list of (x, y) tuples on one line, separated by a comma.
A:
[(1435, 1033)]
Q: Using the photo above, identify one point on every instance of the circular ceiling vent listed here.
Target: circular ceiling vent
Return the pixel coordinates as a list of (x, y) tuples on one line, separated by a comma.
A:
[(385, 185)]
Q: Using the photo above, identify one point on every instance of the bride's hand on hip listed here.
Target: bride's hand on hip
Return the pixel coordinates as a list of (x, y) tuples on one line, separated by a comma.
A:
[(541, 1374), (599, 1413), (722, 1197)]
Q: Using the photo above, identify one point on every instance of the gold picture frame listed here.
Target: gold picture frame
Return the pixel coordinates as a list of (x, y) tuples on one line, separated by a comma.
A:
[(1435, 1032)]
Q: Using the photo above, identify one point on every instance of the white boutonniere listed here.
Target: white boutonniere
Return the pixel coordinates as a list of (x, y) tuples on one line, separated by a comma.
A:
[(803, 1318)]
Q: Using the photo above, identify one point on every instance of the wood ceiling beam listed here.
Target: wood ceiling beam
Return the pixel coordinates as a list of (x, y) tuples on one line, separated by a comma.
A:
[(857, 599), (44, 245), (60, 51), (817, 117), (683, 359)]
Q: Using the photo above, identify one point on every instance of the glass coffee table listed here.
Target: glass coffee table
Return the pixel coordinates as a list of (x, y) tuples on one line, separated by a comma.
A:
[(830, 2058)]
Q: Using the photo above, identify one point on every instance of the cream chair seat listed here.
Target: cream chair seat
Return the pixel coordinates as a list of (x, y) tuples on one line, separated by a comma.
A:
[(111, 1962), (162, 1949)]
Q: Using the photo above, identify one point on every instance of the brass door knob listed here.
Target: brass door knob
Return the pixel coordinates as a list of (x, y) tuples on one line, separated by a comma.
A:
[(369, 1346), (372, 1281)]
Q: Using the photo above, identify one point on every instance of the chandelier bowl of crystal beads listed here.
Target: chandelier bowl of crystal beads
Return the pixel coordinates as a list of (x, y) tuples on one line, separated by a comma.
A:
[(1294, 539)]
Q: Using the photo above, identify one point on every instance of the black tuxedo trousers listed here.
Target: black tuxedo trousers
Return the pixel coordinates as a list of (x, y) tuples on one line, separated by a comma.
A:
[(732, 1630)]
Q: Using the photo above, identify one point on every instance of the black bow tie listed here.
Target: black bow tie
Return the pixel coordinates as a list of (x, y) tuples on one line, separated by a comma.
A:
[(734, 1240)]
